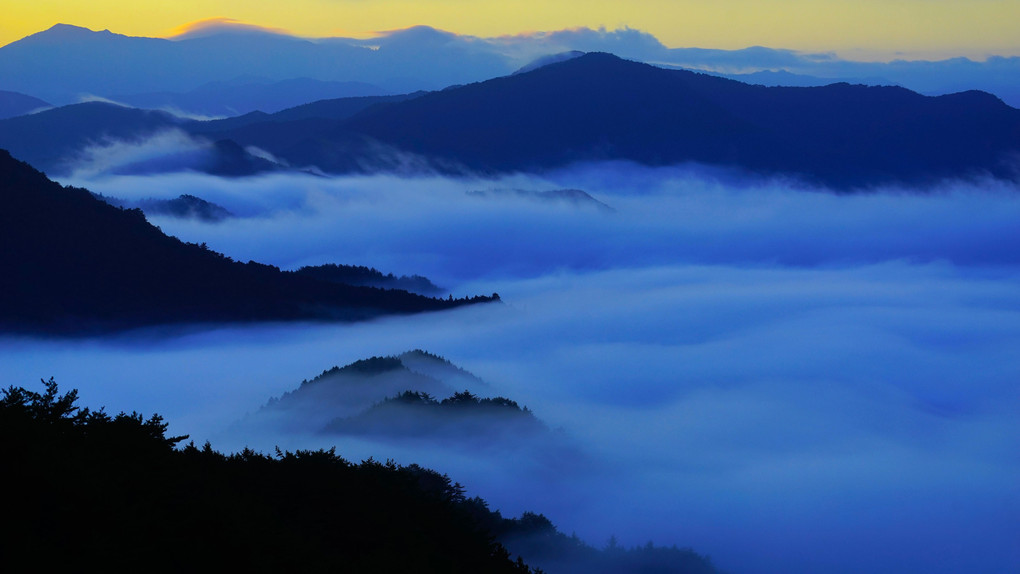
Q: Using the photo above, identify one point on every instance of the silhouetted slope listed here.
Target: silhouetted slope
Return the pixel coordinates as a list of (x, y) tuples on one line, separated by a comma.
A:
[(113, 490), (371, 277), (57, 140), (93, 488), (16, 104), (73, 263), (598, 107), (53, 139), (398, 399), (346, 391), (184, 206), (463, 416), (247, 94), (342, 391), (539, 543), (437, 367)]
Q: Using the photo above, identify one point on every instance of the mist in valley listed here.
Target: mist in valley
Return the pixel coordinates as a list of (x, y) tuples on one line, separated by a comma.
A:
[(784, 378)]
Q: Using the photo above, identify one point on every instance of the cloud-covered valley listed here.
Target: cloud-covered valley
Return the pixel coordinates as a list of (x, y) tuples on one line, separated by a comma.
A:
[(784, 378)]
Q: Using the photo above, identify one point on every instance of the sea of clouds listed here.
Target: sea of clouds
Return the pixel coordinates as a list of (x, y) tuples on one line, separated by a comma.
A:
[(784, 378)]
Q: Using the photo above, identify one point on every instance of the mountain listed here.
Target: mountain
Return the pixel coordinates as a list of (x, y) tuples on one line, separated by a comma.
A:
[(461, 417), (346, 391), (550, 59), (301, 133), (184, 206), (74, 264), (371, 277), (146, 500), (15, 104), (65, 62), (592, 107), (53, 139), (396, 399), (59, 140), (600, 107), (309, 511), (244, 95), (62, 139)]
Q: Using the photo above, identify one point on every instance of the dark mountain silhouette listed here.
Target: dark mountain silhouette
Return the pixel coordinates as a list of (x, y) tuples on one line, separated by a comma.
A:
[(95, 488), (57, 141), (15, 104), (437, 367), (53, 139), (248, 94), (534, 537), (339, 108), (599, 107), (589, 108), (345, 391), (550, 59), (461, 417), (184, 206), (305, 135), (74, 264), (399, 399), (370, 277)]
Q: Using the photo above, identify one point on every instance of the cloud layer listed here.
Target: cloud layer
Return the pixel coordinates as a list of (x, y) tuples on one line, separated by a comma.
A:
[(788, 380)]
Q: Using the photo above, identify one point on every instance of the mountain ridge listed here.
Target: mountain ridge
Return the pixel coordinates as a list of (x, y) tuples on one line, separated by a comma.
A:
[(598, 106), (76, 265)]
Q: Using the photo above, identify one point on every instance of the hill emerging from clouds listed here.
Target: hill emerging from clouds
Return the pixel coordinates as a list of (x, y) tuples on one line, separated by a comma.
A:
[(74, 264)]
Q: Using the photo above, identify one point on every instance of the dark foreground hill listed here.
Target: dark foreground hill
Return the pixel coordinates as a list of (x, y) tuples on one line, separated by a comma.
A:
[(116, 491), (600, 107), (75, 264)]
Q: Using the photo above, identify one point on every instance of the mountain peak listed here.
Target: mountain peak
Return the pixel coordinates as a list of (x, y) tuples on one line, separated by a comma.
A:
[(549, 59), (71, 32)]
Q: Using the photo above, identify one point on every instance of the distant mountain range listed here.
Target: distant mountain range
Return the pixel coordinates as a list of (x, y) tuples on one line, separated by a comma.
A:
[(74, 264), (593, 107), (600, 107), (65, 62), (195, 72)]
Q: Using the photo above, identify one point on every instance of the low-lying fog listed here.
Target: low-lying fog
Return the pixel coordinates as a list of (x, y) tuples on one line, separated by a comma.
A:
[(787, 380)]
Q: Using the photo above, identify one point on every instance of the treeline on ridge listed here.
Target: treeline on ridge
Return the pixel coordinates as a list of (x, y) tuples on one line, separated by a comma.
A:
[(117, 491), (73, 264)]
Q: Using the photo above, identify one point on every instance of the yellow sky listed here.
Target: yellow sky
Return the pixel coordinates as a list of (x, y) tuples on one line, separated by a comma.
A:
[(857, 29)]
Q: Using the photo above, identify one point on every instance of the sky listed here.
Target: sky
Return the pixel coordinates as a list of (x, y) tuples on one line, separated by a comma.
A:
[(854, 29)]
